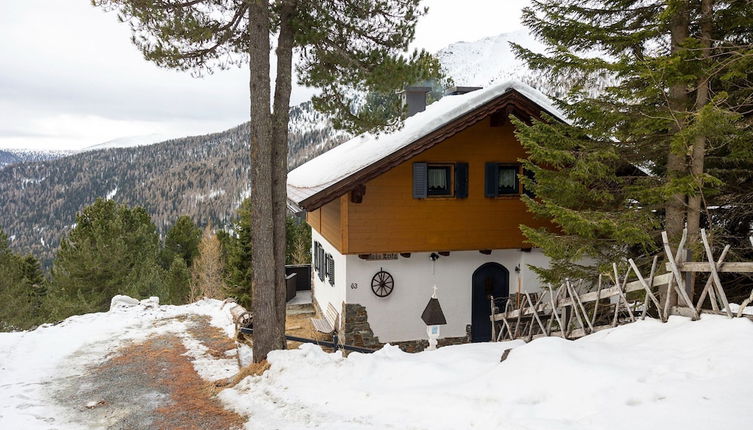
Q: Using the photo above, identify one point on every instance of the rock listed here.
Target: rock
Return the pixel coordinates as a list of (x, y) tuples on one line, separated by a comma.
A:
[(122, 302), (151, 302)]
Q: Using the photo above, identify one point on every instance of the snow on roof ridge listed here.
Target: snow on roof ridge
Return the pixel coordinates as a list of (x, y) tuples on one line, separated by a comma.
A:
[(363, 150)]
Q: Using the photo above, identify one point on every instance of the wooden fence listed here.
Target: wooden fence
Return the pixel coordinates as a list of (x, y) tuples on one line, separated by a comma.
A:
[(576, 308)]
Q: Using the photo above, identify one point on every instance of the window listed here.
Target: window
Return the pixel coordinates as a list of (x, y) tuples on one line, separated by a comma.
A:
[(501, 180), (507, 180), (439, 180), (331, 269)]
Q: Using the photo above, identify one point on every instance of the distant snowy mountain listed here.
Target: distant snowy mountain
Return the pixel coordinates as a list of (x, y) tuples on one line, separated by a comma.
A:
[(7, 158), (130, 142), (491, 60), (15, 156), (487, 61)]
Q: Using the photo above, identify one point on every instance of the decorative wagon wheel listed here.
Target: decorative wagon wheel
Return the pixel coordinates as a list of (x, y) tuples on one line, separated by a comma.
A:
[(382, 284)]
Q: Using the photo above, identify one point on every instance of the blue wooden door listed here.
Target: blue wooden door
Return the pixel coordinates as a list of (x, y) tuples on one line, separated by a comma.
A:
[(491, 279)]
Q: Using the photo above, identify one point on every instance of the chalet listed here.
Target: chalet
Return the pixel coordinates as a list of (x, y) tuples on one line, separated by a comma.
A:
[(434, 203)]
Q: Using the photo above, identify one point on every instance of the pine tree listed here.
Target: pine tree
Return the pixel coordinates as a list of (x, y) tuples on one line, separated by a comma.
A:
[(176, 289), (345, 48), (22, 290), (181, 240), (207, 270), (674, 97), (299, 242), (112, 250), (239, 270)]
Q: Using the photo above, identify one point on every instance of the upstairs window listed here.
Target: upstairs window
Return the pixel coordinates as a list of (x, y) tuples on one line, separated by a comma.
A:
[(440, 180), (507, 180), (501, 180)]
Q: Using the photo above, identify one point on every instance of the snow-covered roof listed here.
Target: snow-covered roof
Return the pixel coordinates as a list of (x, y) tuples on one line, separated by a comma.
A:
[(350, 157)]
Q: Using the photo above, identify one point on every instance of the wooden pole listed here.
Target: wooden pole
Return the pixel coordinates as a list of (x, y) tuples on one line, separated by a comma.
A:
[(575, 308), (651, 282), (679, 283), (491, 320), (714, 274), (649, 294), (555, 309), (536, 314), (596, 305), (707, 289)]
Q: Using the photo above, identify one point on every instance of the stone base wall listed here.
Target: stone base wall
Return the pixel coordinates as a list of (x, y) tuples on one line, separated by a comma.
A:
[(356, 329), (357, 332)]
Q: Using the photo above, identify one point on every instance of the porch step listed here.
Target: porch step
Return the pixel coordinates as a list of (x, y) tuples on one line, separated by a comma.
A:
[(298, 309), (300, 304)]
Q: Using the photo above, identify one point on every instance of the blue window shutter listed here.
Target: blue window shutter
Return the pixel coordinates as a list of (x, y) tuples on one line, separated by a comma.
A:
[(321, 263), (490, 180), (461, 180), (419, 181), (331, 273), (316, 256)]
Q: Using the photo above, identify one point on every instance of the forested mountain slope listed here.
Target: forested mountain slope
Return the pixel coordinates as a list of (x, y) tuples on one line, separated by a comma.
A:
[(205, 177)]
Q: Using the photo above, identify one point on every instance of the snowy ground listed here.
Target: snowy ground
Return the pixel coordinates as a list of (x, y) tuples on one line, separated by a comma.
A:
[(679, 375)]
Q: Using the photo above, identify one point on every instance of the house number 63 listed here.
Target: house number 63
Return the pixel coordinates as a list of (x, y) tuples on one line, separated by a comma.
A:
[(354, 286)]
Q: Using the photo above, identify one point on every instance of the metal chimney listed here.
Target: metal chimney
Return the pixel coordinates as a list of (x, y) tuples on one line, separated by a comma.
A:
[(415, 99)]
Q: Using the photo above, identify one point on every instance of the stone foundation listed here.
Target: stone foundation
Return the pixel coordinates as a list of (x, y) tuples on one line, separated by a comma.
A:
[(357, 332), (356, 329)]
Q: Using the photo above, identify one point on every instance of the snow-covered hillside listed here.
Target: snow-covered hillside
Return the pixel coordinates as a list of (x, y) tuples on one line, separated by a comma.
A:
[(99, 370), (489, 60), (131, 141)]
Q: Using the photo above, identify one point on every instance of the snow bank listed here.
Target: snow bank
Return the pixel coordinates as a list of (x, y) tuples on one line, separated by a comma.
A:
[(683, 374)]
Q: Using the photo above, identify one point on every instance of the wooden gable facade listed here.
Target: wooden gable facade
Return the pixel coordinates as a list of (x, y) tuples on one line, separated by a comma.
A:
[(376, 211)]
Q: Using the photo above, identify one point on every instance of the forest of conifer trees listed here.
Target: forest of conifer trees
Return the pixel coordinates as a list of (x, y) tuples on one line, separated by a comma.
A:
[(115, 249)]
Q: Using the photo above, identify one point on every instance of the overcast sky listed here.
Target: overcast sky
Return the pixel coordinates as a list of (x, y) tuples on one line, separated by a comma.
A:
[(70, 77)]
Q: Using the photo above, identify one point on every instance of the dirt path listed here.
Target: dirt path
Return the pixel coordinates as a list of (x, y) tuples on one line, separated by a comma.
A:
[(152, 385), (164, 380)]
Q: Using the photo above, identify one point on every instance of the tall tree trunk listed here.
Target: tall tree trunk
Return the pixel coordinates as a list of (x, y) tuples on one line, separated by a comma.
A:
[(678, 104), (266, 336), (699, 142), (280, 120), (674, 221)]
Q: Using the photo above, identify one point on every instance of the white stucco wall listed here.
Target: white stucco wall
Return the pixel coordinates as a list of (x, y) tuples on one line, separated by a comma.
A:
[(323, 292), (398, 317), (528, 278)]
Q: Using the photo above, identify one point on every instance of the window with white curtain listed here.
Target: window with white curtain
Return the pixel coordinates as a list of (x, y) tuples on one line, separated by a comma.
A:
[(507, 180), (439, 180)]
